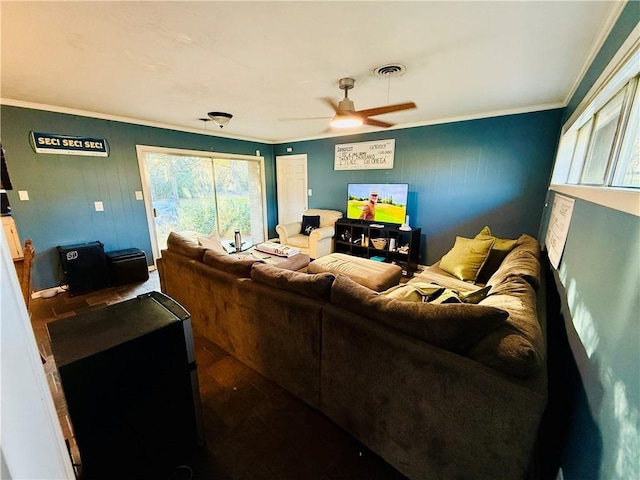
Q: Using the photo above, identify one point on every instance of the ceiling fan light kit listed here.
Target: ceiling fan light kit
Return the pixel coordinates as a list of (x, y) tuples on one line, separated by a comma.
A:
[(220, 118), (346, 121)]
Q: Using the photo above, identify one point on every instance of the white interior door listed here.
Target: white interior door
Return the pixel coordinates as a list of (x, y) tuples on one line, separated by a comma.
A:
[(291, 172)]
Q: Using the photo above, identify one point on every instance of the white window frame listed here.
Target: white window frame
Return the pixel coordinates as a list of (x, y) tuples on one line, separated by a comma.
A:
[(622, 68)]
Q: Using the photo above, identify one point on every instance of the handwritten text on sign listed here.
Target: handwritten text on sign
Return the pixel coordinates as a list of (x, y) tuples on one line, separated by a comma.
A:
[(365, 155), (558, 228)]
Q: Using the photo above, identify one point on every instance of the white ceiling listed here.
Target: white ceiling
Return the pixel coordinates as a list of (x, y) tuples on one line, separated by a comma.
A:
[(169, 63)]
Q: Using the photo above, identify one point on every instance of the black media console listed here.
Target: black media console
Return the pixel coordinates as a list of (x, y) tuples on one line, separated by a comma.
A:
[(366, 239)]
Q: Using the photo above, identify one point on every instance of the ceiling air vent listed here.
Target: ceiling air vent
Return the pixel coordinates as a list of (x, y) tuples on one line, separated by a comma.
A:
[(391, 69)]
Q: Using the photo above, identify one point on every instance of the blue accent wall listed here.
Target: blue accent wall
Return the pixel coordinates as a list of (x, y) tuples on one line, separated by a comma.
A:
[(461, 175), (63, 188), (595, 347)]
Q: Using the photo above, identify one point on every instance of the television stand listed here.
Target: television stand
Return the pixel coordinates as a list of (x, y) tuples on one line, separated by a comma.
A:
[(382, 242)]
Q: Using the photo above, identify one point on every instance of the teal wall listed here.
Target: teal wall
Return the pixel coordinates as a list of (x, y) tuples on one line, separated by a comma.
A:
[(62, 188), (462, 175), (595, 352)]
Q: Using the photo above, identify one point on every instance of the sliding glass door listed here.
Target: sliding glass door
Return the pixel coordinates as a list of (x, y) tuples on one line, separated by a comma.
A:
[(195, 194)]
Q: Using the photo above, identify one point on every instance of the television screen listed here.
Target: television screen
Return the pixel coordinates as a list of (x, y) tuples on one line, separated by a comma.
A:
[(377, 202)]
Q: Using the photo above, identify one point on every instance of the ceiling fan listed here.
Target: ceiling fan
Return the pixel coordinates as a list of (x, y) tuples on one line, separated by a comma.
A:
[(348, 117)]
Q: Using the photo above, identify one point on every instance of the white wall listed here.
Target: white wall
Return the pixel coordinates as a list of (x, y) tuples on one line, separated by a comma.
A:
[(31, 441)]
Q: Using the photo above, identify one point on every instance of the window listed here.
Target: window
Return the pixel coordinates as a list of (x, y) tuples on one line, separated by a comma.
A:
[(599, 153), (627, 172), (597, 158)]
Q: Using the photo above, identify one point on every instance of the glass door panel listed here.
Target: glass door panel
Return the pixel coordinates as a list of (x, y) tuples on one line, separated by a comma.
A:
[(182, 195), (239, 195)]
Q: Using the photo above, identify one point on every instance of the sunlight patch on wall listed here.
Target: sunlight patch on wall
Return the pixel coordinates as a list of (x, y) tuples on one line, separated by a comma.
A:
[(582, 319), (627, 462)]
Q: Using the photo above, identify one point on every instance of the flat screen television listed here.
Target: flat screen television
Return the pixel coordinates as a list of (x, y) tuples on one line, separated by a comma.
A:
[(377, 202)]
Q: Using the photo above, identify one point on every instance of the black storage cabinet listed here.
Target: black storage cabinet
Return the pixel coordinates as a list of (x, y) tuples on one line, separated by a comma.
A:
[(127, 266), (84, 266), (130, 380)]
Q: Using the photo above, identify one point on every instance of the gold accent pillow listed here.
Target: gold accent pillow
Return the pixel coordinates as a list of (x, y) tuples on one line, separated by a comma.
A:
[(467, 257)]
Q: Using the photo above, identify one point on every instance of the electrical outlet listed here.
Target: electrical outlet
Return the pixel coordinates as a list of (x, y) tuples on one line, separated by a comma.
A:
[(99, 206)]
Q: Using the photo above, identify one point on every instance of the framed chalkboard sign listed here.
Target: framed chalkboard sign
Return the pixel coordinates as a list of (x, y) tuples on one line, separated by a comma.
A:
[(365, 155)]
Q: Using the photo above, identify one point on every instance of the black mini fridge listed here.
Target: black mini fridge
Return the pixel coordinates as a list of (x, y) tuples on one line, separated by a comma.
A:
[(130, 381)]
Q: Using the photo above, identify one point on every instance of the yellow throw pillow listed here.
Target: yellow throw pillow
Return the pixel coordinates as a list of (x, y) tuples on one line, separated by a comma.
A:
[(501, 247), (467, 257)]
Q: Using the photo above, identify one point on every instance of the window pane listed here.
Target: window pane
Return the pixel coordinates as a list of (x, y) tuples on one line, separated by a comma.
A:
[(182, 195), (627, 172), (582, 143), (239, 197), (604, 132)]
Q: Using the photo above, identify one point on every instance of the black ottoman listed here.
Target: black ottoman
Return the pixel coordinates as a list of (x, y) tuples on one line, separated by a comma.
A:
[(127, 266)]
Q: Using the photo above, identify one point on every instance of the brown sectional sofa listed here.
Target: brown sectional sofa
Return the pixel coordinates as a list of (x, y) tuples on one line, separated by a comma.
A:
[(439, 391)]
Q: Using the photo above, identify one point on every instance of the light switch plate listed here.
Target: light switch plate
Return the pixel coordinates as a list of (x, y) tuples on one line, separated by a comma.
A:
[(138, 195), (23, 195), (99, 206)]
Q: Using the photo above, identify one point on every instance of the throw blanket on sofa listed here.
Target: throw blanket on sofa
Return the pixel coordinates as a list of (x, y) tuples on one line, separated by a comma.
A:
[(434, 293)]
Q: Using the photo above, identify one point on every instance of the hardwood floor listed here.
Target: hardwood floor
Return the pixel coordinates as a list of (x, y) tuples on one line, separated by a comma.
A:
[(253, 428)]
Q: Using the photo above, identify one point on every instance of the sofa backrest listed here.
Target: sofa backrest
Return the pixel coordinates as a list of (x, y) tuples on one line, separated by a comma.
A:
[(185, 246)]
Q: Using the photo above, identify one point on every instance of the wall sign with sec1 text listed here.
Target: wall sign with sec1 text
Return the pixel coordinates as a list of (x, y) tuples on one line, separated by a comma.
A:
[(365, 155), (68, 145)]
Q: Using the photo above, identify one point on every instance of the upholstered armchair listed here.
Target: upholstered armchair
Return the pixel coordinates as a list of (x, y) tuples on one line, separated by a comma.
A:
[(319, 242)]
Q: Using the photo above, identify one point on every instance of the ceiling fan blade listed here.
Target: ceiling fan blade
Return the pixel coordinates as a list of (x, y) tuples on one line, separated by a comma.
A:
[(332, 104), (376, 123), (289, 119), (388, 109)]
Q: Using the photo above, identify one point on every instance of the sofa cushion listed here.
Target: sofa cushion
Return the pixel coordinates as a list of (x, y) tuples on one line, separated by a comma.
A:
[(521, 262), (467, 257), (454, 327), (212, 242), (310, 223), (377, 276), (239, 265), (527, 242), (499, 250), (184, 246), (316, 286), (517, 346)]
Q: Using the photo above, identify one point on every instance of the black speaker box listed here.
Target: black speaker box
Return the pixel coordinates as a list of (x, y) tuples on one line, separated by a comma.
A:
[(84, 266)]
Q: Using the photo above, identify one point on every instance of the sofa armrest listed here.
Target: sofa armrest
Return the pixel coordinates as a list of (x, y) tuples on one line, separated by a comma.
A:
[(284, 230), (321, 233)]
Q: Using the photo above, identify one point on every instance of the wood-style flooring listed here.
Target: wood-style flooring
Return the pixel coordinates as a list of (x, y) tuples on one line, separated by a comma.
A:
[(253, 428)]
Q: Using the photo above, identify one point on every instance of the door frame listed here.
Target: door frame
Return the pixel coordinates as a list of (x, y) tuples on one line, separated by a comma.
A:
[(141, 150)]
